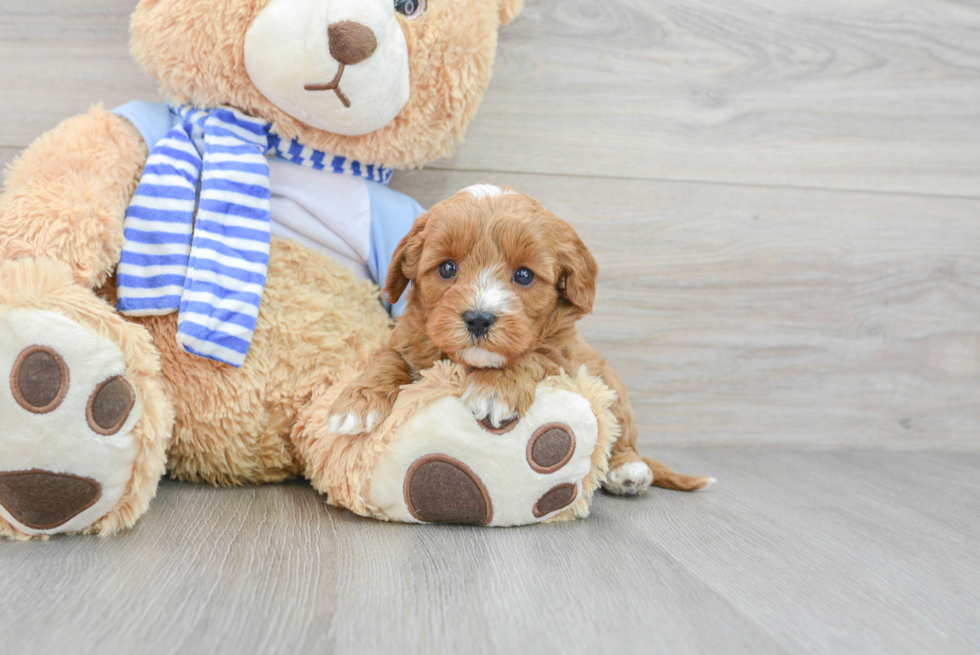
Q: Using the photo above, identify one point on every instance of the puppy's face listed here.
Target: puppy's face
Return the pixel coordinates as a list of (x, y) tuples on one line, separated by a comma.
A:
[(494, 274)]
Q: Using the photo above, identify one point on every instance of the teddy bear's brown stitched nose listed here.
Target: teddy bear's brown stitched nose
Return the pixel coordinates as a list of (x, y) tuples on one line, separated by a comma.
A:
[(350, 42)]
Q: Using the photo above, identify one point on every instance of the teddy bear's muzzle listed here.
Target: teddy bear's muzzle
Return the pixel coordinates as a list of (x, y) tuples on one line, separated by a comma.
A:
[(43, 500), (350, 43)]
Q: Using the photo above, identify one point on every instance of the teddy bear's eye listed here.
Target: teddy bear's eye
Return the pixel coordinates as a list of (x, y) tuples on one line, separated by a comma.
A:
[(410, 8), (524, 277), (447, 270)]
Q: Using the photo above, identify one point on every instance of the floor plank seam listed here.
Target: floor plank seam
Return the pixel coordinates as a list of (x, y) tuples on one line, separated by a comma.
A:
[(740, 185)]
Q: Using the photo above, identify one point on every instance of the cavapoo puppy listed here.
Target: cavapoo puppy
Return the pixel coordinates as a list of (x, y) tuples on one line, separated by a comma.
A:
[(498, 283)]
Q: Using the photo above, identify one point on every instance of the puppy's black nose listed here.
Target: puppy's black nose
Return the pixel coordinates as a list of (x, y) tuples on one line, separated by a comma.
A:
[(478, 323)]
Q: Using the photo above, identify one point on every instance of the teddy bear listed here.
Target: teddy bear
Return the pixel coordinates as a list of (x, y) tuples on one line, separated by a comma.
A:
[(184, 287)]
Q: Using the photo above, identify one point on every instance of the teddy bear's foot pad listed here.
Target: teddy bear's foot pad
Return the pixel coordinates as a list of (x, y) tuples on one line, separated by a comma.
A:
[(455, 469), (43, 500), (440, 489), (66, 448)]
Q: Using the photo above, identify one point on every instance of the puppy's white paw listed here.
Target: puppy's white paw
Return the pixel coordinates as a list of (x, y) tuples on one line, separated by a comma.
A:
[(630, 479), (353, 423), (488, 405)]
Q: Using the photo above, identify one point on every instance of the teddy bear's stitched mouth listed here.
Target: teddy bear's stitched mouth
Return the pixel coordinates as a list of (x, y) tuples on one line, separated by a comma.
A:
[(332, 85)]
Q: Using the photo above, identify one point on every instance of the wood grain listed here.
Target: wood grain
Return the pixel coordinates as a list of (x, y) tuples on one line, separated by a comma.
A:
[(792, 552), (60, 57), (878, 96), (856, 552), (835, 94), (741, 315)]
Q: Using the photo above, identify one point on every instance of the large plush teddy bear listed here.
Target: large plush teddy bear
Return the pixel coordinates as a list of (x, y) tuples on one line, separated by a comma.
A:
[(250, 223)]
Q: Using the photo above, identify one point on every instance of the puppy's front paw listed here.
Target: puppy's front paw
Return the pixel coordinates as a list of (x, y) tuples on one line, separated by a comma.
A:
[(486, 403), (353, 422), (358, 410), (629, 479)]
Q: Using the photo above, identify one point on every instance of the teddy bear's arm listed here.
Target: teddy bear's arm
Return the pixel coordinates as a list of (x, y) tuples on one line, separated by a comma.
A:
[(65, 197)]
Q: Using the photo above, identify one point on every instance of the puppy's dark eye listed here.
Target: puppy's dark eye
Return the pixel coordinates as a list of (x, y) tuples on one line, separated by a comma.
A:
[(410, 8), (524, 277), (447, 270)]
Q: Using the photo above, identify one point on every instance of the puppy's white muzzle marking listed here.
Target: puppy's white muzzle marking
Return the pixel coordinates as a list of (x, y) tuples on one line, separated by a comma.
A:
[(287, 48), (481, 358)]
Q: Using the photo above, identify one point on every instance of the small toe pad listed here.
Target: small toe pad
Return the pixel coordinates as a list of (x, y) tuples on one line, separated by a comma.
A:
[(39, 380)]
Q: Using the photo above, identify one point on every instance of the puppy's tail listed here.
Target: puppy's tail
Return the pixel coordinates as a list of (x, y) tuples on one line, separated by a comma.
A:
[(668, 478)]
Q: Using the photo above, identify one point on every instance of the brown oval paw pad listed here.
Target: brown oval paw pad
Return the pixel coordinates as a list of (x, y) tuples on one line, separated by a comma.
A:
[(109, 405), (440, 489), (39, 380), (558, 497), (550, 447)]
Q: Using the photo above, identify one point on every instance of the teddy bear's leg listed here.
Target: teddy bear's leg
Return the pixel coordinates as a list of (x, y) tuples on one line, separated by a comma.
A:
[(432, 461), (85, 418), (629, 472)]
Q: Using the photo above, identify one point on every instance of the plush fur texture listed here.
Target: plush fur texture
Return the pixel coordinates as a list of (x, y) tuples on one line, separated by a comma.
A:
[(486, 238), (195, 49)]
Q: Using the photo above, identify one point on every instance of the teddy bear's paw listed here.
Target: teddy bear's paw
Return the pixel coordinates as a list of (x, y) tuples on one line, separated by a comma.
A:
[(447, 467), (629, 479), (66, 444)]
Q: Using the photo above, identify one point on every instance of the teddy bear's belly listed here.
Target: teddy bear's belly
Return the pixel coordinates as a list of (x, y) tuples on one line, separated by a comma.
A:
[(233, 425)]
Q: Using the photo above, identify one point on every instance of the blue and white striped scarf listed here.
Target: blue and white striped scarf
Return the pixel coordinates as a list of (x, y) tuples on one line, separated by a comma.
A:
[(198, 227)]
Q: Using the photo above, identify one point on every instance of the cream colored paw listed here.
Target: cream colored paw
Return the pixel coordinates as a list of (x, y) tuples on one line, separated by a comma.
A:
[(630, 479), (67, 447), (446, 467), (487, 405)]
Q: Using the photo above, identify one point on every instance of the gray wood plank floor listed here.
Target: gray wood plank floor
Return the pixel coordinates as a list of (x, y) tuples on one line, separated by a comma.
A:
[(794, 551)]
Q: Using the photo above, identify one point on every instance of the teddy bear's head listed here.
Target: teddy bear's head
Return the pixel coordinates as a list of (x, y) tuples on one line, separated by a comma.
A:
[(391, 82)]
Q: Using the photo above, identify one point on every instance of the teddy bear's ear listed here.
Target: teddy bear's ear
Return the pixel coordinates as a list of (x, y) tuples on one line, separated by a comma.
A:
[(405, 260), (509, 9)]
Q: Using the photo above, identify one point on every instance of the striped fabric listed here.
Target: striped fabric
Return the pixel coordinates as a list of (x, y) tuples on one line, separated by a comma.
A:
[(198, 227), (306, 156)]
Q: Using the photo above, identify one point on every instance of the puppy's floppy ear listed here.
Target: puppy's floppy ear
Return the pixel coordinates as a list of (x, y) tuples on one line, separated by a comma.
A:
[(509, 9), (405, 260), (577, 270)]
